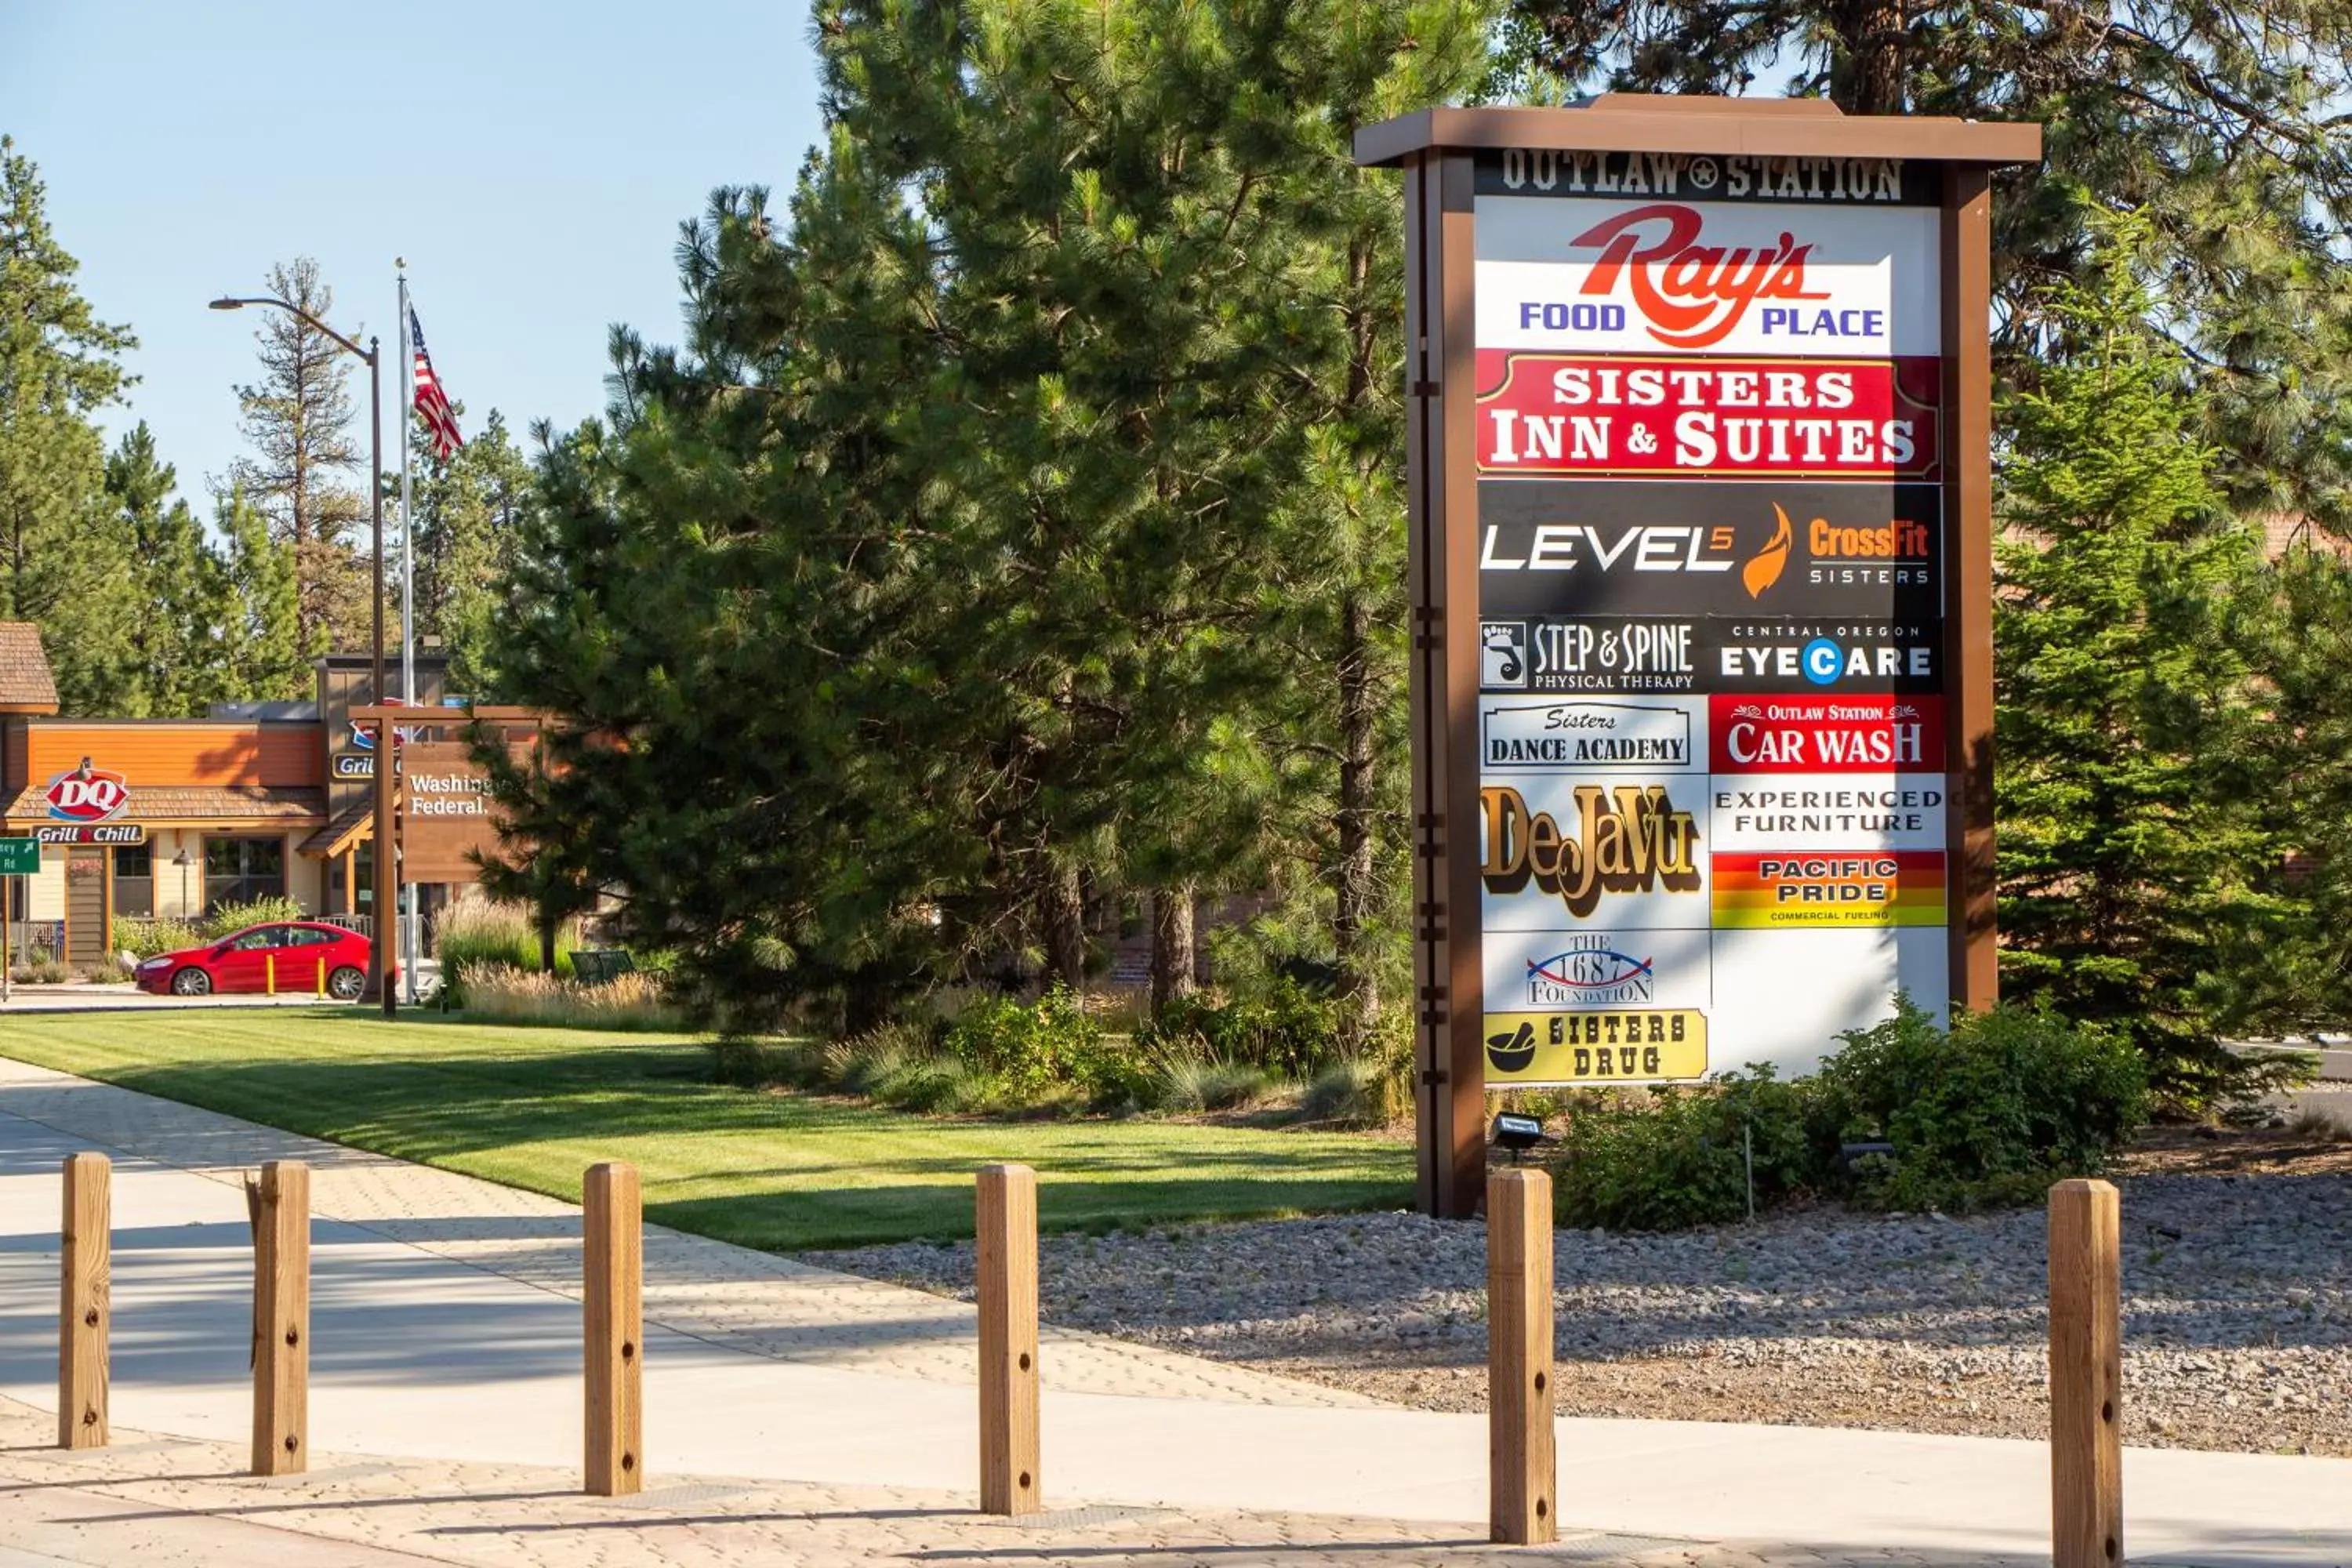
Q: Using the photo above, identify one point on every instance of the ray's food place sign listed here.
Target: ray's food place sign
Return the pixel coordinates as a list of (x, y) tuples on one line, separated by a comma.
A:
[(1699, 405)]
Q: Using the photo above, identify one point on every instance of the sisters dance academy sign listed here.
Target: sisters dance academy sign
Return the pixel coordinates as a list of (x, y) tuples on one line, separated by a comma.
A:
[(1701, 578)]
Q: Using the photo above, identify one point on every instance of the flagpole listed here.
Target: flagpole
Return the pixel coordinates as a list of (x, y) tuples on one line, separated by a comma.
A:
[(407, 608)]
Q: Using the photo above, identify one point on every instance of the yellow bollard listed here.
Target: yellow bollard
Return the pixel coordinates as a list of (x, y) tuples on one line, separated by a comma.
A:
[(269, 972), (322, 980)]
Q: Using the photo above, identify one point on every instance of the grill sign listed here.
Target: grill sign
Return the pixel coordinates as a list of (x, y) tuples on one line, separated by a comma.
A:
[(87, 795)]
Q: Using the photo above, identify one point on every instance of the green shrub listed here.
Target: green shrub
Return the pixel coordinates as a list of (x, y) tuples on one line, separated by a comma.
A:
[(1191, 1084), (475, 932), (500, 994), (1682, 1159), (855, 1065), (230, 919), (1993, 1111), (1282, 1027), (923, 1084), (142, 938), (1044, 1050), (2211, 1082), (1363, 1091)]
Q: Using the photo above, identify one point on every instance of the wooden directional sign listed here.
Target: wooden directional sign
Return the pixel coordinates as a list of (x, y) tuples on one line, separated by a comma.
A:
[(1698, 442)]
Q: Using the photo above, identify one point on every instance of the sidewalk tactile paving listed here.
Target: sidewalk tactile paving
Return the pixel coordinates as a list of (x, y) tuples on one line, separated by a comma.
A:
[(673, 1497), (1601, 1547), (1073, 1518)]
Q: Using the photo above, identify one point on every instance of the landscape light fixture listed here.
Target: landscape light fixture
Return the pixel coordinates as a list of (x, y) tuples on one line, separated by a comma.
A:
[(1517, 1134), (1852, 1155)]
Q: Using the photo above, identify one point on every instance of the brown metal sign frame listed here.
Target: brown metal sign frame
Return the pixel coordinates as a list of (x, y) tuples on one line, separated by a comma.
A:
[(1436, 148)]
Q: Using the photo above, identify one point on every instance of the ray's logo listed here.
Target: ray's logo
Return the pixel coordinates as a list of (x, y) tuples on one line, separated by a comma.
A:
[(1692, 295)]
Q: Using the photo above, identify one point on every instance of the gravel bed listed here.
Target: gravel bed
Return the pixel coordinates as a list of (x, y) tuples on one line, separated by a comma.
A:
[(2238, 1311)]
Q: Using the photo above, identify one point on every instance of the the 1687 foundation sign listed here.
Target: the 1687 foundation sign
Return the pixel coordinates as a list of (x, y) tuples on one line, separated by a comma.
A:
[(1701, 574)]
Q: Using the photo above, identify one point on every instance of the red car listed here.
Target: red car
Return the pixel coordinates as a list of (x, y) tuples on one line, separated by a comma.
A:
[(298, 955)]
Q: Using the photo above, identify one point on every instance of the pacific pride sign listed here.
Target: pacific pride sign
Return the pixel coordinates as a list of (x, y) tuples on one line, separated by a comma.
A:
[(1700, 468)]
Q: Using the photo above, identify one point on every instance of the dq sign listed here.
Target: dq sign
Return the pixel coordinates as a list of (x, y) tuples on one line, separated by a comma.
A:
[(87, 795), (1700, 481)]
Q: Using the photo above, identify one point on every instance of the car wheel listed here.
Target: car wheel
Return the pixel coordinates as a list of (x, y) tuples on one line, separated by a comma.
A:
[(192, 983), (346, 983)]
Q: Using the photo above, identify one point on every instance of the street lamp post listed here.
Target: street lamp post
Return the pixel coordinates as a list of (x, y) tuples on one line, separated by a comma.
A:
[(386, 874)]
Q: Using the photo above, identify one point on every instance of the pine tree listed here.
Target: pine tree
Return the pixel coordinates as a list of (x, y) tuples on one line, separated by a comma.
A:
[(962, 565), (470, 521), (252, 584), (2296, 633), (298, 419), (1169, 319), (63, 565), (2130, 841), (2222, 124), (174, 643)]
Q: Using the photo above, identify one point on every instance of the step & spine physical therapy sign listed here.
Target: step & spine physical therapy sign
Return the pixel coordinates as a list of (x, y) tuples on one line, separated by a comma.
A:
[(1700, 552)]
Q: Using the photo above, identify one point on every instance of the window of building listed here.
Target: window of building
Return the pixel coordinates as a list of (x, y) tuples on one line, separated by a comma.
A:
[(239, 870), (134, 879)]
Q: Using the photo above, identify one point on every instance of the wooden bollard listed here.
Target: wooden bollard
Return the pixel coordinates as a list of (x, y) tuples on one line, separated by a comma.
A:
[(1522, 1464), (613, 1319), (84, 1305), (1007, 1204), (2086, 1376), (282, 1319)]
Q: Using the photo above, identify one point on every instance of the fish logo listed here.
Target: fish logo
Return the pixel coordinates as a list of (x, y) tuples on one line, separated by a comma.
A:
[(1589, 975), (1764, 568)]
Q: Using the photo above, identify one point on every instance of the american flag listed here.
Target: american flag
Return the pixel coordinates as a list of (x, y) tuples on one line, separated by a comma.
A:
[(431, 401)]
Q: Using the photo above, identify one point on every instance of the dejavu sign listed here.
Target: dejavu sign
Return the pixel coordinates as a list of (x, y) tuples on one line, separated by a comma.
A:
[(1700, 561)]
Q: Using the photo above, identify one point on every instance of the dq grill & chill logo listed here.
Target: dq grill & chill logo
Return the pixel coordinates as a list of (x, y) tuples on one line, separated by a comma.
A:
[(87, 795)]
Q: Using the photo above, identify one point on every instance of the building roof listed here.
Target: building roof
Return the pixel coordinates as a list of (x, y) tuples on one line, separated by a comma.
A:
[(236, 805), (357, 818), (25, 684)]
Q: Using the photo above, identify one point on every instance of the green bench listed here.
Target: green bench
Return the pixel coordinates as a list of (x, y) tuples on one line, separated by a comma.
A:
[(596, 965)]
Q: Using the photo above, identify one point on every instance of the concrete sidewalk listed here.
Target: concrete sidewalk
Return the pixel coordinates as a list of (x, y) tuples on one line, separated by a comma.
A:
[(446, 1333)]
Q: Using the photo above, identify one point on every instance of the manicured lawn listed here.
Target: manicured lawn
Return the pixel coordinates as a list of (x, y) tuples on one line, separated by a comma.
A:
[(533, 1108)]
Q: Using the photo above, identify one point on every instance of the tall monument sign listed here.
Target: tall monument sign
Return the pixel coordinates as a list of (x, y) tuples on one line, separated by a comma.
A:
[(1701, 588)]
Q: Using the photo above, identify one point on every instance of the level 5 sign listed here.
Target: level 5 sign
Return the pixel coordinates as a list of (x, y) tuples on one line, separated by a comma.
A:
[(20, 858)]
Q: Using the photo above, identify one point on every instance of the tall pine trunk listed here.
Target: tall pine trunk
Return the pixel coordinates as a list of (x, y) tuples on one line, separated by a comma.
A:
[(1873, 34), (1174, 953), (1359, 987), (1062, 910)]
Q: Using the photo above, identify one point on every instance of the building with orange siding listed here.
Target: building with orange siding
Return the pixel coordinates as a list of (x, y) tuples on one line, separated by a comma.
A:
[(175, 817)]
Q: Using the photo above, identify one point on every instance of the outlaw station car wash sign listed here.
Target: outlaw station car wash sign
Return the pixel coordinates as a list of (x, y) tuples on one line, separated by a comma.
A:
[(1701, 573)]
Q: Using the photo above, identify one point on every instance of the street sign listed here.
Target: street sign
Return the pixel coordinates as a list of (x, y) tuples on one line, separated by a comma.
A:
[(20, 856)]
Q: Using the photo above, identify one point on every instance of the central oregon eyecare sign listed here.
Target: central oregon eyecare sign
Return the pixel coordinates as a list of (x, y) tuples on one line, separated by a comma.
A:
[(1701, 570)]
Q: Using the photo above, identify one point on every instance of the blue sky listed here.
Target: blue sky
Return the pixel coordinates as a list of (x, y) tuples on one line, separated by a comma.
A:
[(532, 161)]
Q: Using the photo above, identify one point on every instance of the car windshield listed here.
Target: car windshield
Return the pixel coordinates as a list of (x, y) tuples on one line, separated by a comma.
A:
[(259, 937)]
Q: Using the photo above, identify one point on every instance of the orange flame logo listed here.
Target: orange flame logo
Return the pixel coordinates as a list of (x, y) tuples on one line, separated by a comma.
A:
[(1765, 567)]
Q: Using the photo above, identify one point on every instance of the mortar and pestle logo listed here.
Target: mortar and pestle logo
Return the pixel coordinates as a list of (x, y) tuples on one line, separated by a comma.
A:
[(1514, 1052)]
